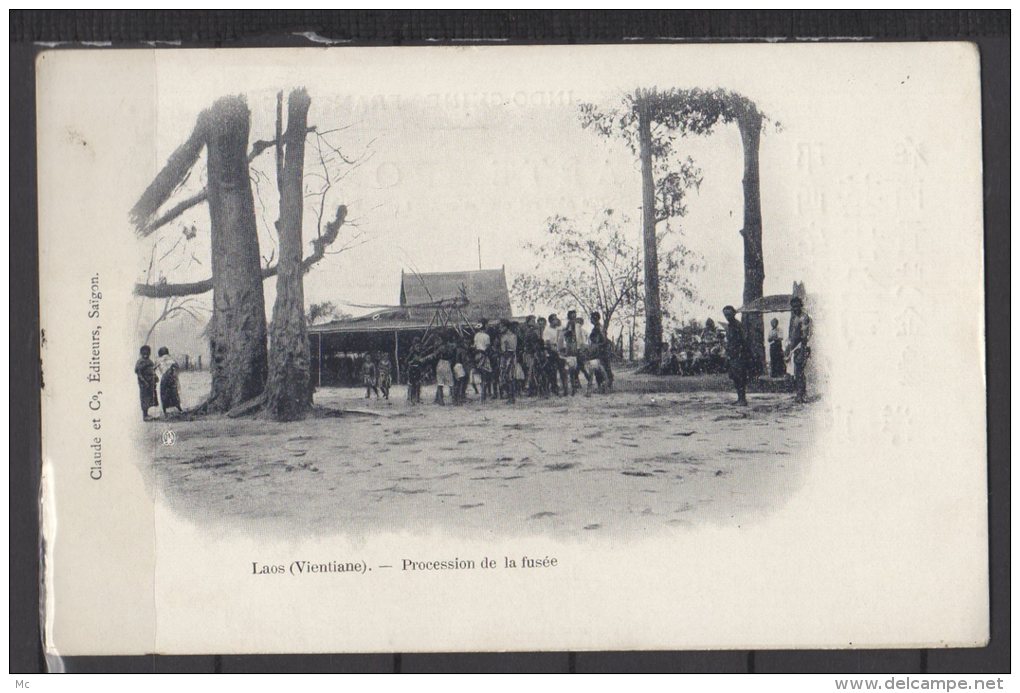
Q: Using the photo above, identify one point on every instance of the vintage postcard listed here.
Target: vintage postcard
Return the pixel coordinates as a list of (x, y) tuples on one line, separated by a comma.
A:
[(512, 348)]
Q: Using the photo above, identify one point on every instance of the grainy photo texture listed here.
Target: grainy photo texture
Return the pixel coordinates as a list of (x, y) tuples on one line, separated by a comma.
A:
[(513, 348)]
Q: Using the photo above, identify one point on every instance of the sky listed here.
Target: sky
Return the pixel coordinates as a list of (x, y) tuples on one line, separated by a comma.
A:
[(461, 148)]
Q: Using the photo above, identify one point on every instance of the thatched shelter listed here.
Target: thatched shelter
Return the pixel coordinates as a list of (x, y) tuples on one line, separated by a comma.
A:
[(427, 301)]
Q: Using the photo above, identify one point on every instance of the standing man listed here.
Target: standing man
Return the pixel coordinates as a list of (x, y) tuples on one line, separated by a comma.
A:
[(415, 369), (481, 339), (797, 345), (447, 354), (570, 351), (481, 342), (508, 360), (556, 346), (370, 376), (736, 354), (385, 374)]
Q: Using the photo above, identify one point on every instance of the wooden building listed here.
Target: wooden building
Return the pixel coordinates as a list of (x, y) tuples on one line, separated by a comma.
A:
[(427, 301)]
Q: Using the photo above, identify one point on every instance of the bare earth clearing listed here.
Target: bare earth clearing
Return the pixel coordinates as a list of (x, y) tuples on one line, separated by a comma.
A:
[(658, 452)]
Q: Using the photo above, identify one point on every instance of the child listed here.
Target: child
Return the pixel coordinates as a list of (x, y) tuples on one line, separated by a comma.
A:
[(385, 375), (591, 367), (369, 376), (508, 366), (596, 373), (570, 362), (166, 371), (146, 374)]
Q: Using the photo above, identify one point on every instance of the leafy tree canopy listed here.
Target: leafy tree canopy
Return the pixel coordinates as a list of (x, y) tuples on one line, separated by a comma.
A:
[(595, 266)]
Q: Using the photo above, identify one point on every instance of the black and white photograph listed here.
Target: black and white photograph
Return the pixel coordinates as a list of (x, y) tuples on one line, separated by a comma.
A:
[(459, 342), (520, 312)]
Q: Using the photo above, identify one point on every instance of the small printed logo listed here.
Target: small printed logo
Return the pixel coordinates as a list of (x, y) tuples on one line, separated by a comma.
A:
[(169, 437)]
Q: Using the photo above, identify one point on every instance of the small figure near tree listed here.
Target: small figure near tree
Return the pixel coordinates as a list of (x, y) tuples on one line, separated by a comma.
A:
[(145, 371), (167, 371), (737, 354)]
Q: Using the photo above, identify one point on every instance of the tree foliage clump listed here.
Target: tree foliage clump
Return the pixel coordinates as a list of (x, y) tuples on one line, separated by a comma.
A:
[(595, 267), (649, 121)]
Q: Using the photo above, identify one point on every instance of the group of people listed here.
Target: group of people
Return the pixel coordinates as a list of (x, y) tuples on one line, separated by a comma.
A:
[(740, 356), (506, 359), (377, 374), (164, 373), (694, 357), (706, 354)]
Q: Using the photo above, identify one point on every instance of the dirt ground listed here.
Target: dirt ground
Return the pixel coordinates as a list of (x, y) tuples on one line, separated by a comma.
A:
[(658, 451)]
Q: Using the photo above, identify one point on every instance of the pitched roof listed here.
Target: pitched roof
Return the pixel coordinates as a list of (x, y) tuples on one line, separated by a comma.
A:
[(485, 290), (775, 303)]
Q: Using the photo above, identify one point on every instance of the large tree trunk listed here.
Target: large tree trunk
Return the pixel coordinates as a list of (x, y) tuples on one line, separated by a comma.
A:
[(754, 265), (653, 310), (238, 327), (288, 391)]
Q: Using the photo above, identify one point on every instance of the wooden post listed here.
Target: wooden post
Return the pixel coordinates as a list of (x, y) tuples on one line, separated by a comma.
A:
[(318, 343), (396, 353)]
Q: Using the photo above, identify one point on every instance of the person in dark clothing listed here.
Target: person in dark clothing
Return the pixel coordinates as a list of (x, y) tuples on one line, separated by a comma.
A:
[(736, 354), (530, 356), (777, 359), (446, 356), (570, 331), (415, 371), (145, 370)]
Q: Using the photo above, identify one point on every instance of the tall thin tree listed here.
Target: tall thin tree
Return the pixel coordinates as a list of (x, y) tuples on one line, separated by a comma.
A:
[(653, 299), (645, 123)]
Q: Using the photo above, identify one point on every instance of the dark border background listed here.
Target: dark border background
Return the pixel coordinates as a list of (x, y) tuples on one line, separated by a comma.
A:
[(988, 29)]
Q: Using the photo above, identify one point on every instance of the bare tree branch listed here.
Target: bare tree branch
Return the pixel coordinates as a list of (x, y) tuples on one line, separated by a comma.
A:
[(143, 227), (168, 179), (319, 245)]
